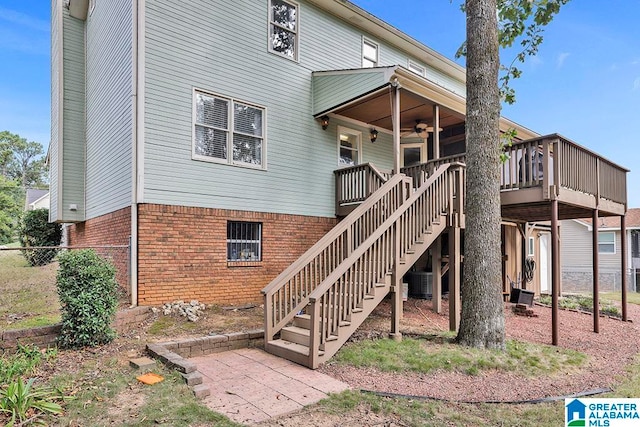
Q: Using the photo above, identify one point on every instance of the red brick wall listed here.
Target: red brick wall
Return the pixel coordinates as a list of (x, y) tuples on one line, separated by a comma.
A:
[(182, 253), (112, 229)]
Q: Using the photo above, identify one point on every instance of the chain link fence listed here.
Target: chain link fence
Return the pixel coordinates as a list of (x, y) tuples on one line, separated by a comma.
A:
[(40, 256)]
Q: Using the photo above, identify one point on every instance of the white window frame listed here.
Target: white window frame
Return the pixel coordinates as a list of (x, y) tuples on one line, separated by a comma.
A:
[(376, 60), (414, 67), (92, 5), (600, 244), (344, 130), (296, 48), (531, 248), (230, 131), (229, 240)]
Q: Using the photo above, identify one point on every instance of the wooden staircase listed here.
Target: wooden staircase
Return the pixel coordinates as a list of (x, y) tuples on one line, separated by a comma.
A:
[(315, 305)]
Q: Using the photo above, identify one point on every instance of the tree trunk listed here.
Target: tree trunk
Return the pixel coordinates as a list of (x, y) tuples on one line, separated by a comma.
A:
[(482, 320)]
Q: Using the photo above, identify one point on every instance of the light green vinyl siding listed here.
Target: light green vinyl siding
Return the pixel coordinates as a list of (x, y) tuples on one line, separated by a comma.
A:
[(109, 107), (221, 47), (330, 90), (71, 189), (448, 82)]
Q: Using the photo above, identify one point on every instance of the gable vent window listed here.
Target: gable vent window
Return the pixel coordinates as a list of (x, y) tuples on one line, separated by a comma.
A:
[(244, 241), (228, 131), (369, 54), (417, 68), (283, 28)]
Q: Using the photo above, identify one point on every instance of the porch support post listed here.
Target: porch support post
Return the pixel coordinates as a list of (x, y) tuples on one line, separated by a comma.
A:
[(436, 132), (436, 275), (555, 271), (396, 129), (596, 283), (623, 267), (454, 277)]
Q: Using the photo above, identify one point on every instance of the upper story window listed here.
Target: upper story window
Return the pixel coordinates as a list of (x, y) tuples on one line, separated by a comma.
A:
[(607, 243), (369, 53), (283, 28), (417, 68), (228, 131), (349, 142)]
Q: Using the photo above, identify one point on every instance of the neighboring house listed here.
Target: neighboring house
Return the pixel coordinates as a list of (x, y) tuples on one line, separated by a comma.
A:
[(223, 139), (36, 199), (576, 253)]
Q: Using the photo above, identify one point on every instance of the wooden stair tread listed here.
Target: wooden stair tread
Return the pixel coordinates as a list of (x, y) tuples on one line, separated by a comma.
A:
[(293, 347)]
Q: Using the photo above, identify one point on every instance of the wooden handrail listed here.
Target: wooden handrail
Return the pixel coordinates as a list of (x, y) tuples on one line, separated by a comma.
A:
[(288, 293), (354, 184), (346, 286)]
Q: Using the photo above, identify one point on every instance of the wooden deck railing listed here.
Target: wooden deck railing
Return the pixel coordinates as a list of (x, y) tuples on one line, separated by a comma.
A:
[(289, 293), (355, 183), (553, 160), (335, 299), (419, 173)]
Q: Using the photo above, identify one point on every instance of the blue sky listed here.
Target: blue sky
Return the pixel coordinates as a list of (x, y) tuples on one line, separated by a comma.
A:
[(584, 83)]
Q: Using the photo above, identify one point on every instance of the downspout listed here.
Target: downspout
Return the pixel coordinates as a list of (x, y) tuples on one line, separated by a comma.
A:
[(137, 100)]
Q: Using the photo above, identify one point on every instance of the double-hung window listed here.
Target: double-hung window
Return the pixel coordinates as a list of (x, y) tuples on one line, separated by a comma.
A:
[(369, 54), (607, 242), (244, 241), (283, 28), (228, 131)]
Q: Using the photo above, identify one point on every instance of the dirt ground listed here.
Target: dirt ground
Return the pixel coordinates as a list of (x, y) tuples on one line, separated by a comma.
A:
[(609, 352)]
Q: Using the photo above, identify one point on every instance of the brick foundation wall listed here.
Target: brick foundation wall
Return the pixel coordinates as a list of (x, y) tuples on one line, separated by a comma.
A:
[(107, 230), (182, 253)]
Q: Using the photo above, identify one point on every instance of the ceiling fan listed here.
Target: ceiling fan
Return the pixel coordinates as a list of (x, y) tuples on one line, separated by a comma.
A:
[(420, 130)]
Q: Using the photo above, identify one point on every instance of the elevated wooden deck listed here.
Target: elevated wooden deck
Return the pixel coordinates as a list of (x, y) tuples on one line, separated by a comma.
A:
[(537, 172)]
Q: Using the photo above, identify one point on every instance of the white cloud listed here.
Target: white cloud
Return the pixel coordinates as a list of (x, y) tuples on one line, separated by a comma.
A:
[(636, 84), (561, 58)]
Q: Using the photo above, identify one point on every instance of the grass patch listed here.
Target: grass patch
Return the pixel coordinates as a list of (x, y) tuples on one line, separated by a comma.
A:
[(584, 303), (24, 362), (632, 297), (433, 413), (419, 355), (29, 297), (109, 394)]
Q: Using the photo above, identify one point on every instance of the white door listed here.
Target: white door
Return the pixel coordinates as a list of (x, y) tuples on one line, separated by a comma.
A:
[(545, 263), (412, 154)]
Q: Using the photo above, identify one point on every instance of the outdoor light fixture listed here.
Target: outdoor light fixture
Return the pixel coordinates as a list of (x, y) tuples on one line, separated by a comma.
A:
[(324, 120), (373, 134)]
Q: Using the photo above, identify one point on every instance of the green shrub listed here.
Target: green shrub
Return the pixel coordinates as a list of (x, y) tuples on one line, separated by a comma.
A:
[(88, 296), (36, 230)]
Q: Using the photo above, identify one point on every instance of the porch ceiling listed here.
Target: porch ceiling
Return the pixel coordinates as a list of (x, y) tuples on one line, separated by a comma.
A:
[(375, 109), (365, 95)]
